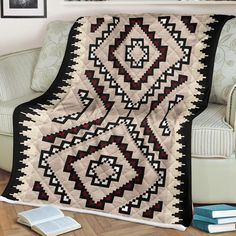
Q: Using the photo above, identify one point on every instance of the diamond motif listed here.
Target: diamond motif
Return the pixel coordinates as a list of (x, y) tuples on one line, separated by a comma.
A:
[(99, 189), (137, 53), (119, 151), (133, 52), (118, 65), (104, 171)]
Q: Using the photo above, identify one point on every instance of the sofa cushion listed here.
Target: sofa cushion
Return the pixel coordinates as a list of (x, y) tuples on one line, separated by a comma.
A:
[(51, 55), (16, 71), (224, 76), (211, 135), (7, 109)]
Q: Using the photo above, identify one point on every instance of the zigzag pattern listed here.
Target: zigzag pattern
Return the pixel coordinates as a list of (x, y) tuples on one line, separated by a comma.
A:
[(42, 193), (187, 21), (83, 94), (161, 80), (94, 27), (167, 90), (53, 180), (136, 203), (164, 123), (157, 207), (176, 34), (74, 130)]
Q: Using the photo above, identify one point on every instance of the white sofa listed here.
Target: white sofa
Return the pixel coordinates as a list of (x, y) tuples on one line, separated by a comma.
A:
[(213, 131)]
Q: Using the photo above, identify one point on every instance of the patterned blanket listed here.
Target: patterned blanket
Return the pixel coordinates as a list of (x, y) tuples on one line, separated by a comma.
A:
[(112, 134)]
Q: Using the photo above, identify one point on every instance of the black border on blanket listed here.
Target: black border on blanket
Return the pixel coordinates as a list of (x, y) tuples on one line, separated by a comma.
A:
[(185, 197), (50, 94)]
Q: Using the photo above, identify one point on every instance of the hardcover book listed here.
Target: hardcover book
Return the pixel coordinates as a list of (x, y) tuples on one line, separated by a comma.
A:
[(216, 211), (215, 220), (47, 221), (213, 228)]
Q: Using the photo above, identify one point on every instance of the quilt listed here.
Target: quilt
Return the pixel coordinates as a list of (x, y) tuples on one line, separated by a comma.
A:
[(112, 135)]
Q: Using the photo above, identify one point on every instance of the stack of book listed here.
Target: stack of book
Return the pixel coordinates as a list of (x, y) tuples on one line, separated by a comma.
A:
[(215, 218)]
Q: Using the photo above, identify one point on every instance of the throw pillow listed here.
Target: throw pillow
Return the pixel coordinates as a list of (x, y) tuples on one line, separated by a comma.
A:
[(224, 76), (51, 55)]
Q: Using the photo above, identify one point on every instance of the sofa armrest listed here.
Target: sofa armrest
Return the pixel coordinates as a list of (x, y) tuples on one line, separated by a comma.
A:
[(231, 107), (16, 72)]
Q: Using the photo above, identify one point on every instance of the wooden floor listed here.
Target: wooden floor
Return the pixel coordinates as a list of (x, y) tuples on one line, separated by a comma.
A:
[(91, 225)]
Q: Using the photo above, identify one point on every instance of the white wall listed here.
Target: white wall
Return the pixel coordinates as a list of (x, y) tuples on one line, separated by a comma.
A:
[(18, 34)]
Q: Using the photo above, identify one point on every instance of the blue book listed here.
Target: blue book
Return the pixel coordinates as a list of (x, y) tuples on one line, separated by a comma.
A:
[(215, 220), (216, 211), (213, 228)]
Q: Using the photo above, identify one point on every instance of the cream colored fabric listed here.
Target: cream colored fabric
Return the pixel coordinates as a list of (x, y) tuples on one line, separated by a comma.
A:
[(6, 152), (51, 55), (231, 107), (16, 71), (211, 135), (224, 76), (6, 112), (213, 180)]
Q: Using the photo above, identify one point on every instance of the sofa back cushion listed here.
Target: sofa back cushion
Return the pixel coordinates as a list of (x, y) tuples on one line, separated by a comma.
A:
[(224, 76), (51, 55), (16, 71)]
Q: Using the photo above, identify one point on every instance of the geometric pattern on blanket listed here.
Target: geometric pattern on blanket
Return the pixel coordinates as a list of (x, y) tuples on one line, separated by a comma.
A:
[(112, 134)]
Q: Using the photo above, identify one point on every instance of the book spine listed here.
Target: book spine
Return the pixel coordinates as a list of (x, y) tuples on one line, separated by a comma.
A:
[(205, 219), (203, 212), (200, 225)]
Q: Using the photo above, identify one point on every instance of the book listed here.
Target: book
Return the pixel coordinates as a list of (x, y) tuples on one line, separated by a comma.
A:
[(216, 211), (47, 221), (215, 220), (213, 228)]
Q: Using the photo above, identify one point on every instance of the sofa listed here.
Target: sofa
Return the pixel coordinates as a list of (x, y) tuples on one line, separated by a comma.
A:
[(23, 75)]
